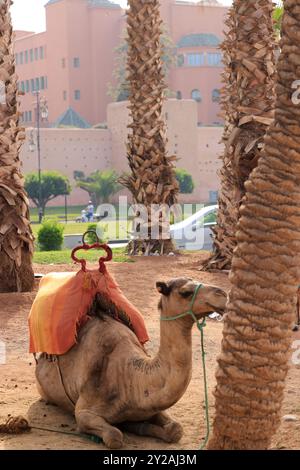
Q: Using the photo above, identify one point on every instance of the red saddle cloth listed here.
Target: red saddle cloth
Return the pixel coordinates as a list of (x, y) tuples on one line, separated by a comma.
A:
[(63, 302)]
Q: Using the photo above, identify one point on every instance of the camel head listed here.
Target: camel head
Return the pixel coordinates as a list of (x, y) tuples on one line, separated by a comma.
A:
[(177, 295)]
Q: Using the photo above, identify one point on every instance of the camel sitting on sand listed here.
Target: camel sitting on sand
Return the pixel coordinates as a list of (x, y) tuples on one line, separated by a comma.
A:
[(108, 380)]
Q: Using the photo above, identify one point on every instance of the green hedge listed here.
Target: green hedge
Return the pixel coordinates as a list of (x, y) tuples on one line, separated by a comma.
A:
[(50, 236)]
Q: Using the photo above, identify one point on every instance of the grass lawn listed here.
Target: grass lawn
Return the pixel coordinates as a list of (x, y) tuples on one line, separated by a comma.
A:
[(111, 230), (57, 212), (64, 256)]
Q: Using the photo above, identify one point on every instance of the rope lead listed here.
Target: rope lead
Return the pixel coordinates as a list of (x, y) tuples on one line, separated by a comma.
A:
[(200, 325)]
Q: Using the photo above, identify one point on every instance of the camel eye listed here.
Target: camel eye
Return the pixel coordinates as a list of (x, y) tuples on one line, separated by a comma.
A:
[(186, 294), (219, 292)]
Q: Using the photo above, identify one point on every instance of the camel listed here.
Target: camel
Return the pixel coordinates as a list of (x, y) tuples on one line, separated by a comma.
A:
[(109, 381)]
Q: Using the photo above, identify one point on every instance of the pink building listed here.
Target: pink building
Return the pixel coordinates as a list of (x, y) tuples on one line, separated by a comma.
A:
[(72, 62)]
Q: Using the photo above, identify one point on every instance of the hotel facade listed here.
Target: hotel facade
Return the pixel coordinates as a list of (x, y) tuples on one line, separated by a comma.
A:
[(73, 61)]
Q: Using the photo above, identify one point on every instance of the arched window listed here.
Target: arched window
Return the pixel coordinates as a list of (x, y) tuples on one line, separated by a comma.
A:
[(196, 95), (179, 95), (215, 95)]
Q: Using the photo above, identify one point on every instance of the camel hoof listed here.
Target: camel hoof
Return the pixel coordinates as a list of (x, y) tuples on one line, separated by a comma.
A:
[(174, 432), (113, 439)]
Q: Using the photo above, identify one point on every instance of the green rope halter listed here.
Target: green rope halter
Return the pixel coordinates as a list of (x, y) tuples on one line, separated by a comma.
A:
[(200, 325)]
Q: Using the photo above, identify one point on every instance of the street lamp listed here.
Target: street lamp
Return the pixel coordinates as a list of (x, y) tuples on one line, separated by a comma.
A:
[(41, 113)]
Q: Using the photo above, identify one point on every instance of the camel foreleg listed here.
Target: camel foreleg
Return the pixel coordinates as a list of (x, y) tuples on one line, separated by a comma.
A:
[(160, 426), (90, 422)]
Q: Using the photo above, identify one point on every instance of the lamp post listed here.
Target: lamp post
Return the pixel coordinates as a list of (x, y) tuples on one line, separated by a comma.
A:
[(41, 113)]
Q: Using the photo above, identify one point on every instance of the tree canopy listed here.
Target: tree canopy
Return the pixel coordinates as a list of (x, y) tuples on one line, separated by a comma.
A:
[(53, 184), (100, 185), (185, 180)]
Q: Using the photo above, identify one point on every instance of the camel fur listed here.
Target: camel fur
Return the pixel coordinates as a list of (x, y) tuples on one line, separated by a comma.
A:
[(111, 384)]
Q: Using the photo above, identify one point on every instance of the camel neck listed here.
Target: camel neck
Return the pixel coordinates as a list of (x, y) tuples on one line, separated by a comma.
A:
[(167, 375), (175, 342)]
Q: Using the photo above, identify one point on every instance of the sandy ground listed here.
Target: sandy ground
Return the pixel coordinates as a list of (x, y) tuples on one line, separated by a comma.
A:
[(18, 394)]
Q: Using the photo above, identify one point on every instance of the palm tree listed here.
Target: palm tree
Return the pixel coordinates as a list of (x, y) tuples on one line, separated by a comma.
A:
[(152, 179), (100, 185), (16, 240), (248, 104), (265, 273)]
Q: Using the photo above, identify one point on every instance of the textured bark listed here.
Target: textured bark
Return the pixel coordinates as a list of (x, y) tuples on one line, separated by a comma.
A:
[(248, 107), (152, 179), (16, 240), (265, 274)]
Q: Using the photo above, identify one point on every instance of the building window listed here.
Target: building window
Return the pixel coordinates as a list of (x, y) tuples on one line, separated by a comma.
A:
[(41, 52), (17, 59), (196, 95), (76, 62), (27, 87), (32, 86), (31, 55), (195, 59), (214, 59), (179, 95), (21, 58), (36, 53), (213, 196), (215, 95), (27, 116), (26, 57), (23, 87), (37, 84), (77, 95), (63, 63), (64, 95), (42, 83), (46, 82)]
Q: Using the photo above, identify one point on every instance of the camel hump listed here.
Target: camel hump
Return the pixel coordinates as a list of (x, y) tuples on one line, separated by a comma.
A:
[(106, 333)]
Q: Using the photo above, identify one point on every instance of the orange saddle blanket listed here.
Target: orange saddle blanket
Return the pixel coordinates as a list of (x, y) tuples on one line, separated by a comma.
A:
[(63, 302)]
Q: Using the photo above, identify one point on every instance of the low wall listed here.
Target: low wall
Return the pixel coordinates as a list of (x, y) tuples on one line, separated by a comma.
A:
[(66, 150)]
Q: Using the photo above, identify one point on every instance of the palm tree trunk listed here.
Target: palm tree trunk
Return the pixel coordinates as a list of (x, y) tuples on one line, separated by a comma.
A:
[(248, 104), (152, 179), (16, 240), (265, 274)]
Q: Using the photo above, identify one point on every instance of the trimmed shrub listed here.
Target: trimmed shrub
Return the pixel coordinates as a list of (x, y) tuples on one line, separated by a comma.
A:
[(50, 236)]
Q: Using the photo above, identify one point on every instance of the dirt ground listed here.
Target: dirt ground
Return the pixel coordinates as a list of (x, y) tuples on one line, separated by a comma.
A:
[(18, 394)]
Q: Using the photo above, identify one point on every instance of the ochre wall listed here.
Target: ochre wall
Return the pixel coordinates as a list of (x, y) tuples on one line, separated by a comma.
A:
[(67, 150)]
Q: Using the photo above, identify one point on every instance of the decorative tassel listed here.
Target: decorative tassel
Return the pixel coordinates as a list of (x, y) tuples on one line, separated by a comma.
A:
[(15, 425)]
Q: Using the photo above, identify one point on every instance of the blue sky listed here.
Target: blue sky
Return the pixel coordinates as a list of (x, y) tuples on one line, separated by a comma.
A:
[(29, 14)]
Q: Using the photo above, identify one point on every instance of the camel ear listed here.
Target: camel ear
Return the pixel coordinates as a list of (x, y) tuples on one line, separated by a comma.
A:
[(163, 288)]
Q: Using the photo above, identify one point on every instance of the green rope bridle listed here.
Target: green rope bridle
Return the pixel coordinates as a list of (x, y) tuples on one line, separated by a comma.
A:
[(200, 325)]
